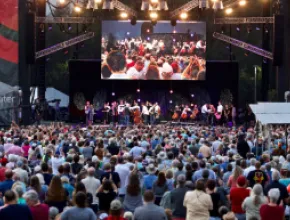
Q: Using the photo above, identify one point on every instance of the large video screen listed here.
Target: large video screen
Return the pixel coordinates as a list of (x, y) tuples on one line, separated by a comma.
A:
[(153, 52)]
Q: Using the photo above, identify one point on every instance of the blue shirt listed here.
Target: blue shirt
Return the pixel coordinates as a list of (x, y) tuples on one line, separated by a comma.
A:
[(198, 175), (6, 185), (149, 180)]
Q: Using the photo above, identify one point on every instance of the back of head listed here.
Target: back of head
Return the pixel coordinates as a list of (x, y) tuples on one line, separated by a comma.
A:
[(53, 212), (274, 195), (148, 196), (200, 185), (275, 175), (80, 199), (10, 197), (31, 196)]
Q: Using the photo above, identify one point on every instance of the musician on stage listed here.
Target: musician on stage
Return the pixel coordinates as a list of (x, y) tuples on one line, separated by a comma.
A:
[(106, 111), (127, 114), (219, 113), (185, 113), (120, 110), (89, 113), (204, 112), (211, 114), (154, 112), (145, 113)]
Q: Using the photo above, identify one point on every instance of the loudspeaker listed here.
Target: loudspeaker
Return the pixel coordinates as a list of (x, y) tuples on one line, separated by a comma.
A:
[(30, 38), (278, 40)]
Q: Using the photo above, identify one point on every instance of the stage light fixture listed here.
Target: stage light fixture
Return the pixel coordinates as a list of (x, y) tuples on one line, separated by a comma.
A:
[(138, 100), (223, 29), (145, 5), (229, 11), (84, 28), (133, 21), (191, 35), (203, 4), (113, 94), (170, 101), (163, 5), (108, 4), (218, 5), (41, 26), (171, 91), (238, 28), (266, 29), (154, 1), (124, 15), (93, 4), (98, 1), (183, 15), (242, 2), (192, 95), (148, 30), (148, 38), (258, 28), (128, 33), (138, 90), (61, 1), (153, 15), (173, 22), (77, 9), (69, 27)]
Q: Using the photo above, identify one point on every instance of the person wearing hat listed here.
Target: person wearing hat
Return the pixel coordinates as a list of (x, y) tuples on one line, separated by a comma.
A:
[(237, 196), (151, 177), (116, 211)]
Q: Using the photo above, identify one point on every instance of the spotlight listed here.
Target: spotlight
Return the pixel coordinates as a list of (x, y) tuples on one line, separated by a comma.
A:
[(113, 94), (191, 104), (171, 91), (238, 28), (145, 5), (242, 2), (170, 101), (218, 4), (98, 1), (128, 33), (69, 27), (266, 29), (138, 90), (61, 1), (229, 11), (124, 15), (153, 15), (174, 40), (258, 28), (84, 28), (108, 4), (192, 95), (133, 20), (153, 22), (93, 4), (61, 27), (191, 35), (154, 1), (148, 30), (203, 4), (78, 9), (173, 22), (148, 38), (223, 29), (138, 100), (41, 27), (162, 5), (174, 31), (183, 15)]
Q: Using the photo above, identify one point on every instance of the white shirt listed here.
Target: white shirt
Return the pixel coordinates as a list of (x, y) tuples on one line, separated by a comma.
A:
[(145, 110), (157, 108), (55, 163), (132, 73), (137, 151), (121, 108), (92, 184), (23, 175), (248, 170), (186, 110), (220, 109), (123, 171), (119, 76), (204, 109)]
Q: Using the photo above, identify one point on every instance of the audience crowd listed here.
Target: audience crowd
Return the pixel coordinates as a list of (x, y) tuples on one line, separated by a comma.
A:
[(163, 172)]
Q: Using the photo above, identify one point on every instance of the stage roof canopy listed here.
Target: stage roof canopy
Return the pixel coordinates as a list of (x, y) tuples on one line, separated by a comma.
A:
[(272, 113)]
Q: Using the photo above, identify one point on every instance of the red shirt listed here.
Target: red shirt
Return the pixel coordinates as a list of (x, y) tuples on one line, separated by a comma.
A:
[(271, 212), (40, 212), (2, 174), (237, 196)]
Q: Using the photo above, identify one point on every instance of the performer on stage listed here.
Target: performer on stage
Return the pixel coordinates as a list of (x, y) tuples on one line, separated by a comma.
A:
[(219, 113), (204, 112), (57, 110), (127, 114), (185, 113), (154, 112), (177, 113), (121, 108), (89, 113), (106, 111), (114, 112), (145, 113)]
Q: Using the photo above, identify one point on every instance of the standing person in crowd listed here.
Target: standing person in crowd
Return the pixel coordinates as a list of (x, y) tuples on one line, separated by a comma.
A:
[(149, 210), (159, 187), (80, 210), (198, 203), (7, 183), (123, 171), (243, 147), (13, 211), (253, 203), (257, 176), (133, 196), (215, 197), (271, 210), (237, 197), (38, 210)]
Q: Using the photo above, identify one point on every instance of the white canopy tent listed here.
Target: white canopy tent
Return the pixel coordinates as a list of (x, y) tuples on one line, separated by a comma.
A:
[(271, 113)]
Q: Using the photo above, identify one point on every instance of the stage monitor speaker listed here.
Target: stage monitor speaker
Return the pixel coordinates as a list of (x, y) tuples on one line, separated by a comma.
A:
[(30, 38), (278, 40)]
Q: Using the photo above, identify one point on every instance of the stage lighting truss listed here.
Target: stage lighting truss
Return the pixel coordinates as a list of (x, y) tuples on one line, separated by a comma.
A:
[(243, 45), (64, 44), (153, 5), (184, 8), (245, 20)]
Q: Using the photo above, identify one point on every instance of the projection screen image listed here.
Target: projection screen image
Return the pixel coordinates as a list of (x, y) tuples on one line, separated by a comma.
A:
[(153, 52)]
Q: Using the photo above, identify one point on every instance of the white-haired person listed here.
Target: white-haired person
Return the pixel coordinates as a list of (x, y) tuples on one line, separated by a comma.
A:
[(253, 203), (271, 210), (38, 210)]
